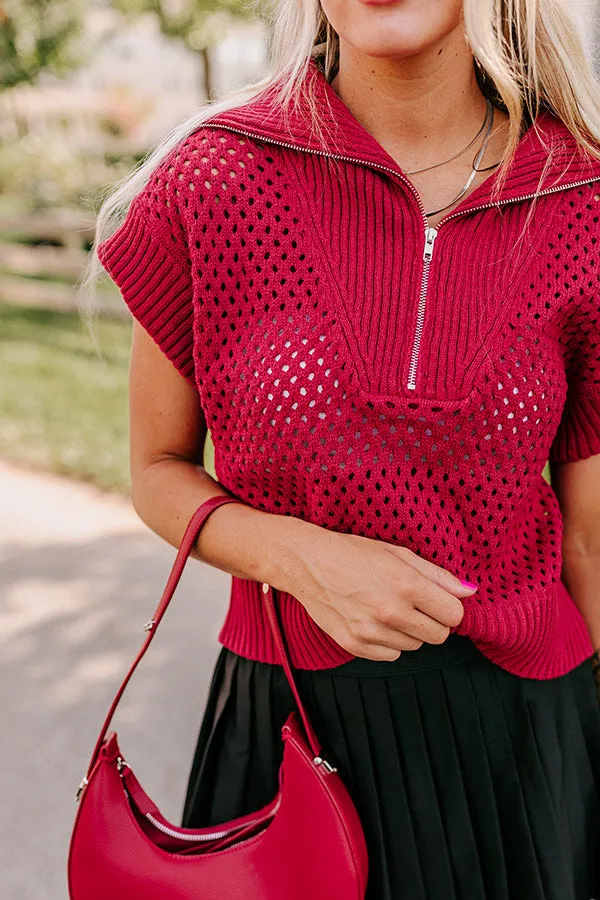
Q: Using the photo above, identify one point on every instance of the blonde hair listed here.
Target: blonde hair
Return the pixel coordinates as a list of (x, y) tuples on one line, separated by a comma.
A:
[(528, 55)]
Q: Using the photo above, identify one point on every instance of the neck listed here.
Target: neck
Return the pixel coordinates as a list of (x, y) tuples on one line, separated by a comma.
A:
[(417, 107)]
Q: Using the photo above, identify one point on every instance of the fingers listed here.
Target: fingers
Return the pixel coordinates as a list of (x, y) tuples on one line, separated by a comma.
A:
[(443, 608), (430, 598), (390, 644), (400, 627), (425, 629), (373, 636), (416, 630), (378, 653), (434, 573)]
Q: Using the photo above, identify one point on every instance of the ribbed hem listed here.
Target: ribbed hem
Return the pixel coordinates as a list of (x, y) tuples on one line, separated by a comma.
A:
[(578, 435), (543, 638), (247, 631), (155, 284)]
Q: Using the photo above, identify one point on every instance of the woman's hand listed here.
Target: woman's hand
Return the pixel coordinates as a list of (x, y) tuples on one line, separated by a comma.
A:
[(374, 598)]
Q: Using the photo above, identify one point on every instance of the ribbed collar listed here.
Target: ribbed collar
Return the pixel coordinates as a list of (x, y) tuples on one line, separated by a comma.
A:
[(346, 136)]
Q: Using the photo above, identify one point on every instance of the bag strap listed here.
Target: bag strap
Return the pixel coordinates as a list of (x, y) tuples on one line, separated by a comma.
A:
[(187, 545)]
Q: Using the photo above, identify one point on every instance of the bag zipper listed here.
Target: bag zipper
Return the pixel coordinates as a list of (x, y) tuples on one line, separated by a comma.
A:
[(214, 835), (185, 836), (175, 833), (430, 232)]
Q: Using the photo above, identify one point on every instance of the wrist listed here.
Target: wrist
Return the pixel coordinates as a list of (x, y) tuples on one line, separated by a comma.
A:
[(247, 542), (286, 536)]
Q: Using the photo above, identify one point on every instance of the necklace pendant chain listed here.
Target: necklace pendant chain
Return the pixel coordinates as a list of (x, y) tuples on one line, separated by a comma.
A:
[(489, 121), (460, 152)]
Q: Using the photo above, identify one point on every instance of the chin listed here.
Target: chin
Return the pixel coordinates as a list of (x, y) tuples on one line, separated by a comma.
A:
[(388, 46), (396, 29)]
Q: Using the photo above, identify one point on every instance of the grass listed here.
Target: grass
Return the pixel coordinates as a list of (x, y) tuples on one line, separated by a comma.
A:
[(63, 408)]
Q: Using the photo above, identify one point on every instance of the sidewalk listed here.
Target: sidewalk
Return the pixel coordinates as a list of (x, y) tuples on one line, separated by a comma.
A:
[(79, 575)]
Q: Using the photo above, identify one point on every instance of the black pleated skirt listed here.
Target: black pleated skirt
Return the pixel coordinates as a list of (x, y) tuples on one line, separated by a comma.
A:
[(472, 783)]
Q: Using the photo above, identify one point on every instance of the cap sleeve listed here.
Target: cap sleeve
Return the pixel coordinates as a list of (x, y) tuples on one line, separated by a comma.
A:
[(147, 257), (578, 434)]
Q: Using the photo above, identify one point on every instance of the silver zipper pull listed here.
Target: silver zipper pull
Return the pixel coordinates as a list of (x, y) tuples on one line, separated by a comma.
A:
[(430, 236)]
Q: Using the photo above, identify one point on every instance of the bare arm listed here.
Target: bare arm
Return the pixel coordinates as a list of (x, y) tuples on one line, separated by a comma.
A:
[(577, 487), (169, 482)]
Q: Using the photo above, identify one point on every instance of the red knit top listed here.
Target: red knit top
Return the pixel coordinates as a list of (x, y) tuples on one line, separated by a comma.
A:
[(375, 376)]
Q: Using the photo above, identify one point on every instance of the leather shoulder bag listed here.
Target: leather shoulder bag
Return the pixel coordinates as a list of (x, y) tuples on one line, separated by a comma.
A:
[(307, 843)]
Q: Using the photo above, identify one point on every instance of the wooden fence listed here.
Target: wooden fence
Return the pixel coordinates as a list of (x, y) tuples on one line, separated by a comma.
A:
[(45, 274)]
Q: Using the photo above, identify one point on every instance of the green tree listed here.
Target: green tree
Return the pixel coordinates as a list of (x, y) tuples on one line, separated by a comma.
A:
[(38, 35), (198, 24)]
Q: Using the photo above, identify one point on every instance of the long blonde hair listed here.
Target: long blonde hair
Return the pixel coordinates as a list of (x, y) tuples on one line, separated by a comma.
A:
[(528, 55)]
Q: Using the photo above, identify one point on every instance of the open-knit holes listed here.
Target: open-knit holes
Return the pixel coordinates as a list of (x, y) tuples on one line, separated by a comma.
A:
[(459, 483)]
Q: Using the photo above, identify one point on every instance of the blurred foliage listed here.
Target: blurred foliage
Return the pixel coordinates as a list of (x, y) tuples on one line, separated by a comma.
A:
[(43, 171), (198, 24), (38, 35), (46, 173), (191, 21)]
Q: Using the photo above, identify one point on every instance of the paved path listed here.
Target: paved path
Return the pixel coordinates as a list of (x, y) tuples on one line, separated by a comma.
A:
[(79, 575)]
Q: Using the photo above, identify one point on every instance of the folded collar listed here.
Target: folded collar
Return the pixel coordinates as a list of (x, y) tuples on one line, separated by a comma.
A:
[(343, 135)]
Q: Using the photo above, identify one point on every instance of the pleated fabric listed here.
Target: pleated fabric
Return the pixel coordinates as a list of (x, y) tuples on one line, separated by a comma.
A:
[(472, 783)]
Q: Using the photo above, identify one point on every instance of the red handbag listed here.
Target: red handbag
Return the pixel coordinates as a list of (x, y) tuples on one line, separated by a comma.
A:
[(307, 843)]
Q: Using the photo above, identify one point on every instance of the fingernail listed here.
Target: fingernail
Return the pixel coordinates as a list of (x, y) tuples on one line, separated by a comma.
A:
[(468, 584)]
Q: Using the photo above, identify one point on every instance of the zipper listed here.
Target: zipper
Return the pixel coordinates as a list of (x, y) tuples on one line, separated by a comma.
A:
[(176, 833), (553, 190), (430, 236), (430, 232), (172, 832), (214, 835), (409, 184)]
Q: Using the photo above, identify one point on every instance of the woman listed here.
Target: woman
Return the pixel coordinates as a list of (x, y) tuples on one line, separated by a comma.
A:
[(382, 299)]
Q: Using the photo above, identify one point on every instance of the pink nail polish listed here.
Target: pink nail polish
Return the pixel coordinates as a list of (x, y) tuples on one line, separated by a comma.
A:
[(468, 584)]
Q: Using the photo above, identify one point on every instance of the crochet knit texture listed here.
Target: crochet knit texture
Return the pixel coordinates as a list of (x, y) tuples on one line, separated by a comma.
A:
[(352, 382)]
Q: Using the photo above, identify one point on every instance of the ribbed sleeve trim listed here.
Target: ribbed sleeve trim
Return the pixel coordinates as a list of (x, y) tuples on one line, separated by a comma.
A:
[(578, 434), (155, 284)]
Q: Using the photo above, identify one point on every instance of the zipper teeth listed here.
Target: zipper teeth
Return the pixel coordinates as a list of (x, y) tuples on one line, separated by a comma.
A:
[(270, 140), (172, 832), (412, 374), (419, 326), (355, 159), (553, 190), (411, 384)]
